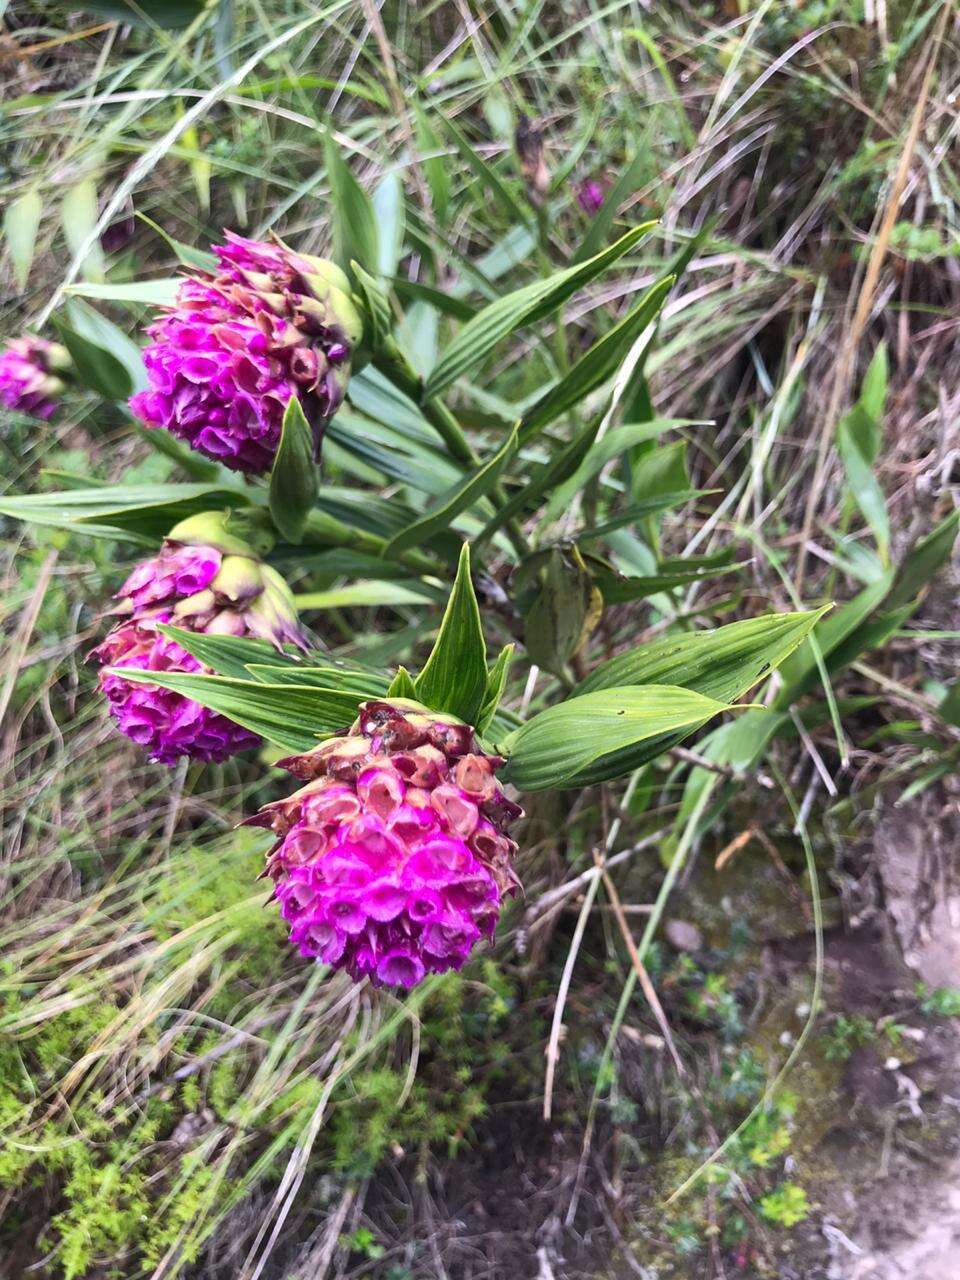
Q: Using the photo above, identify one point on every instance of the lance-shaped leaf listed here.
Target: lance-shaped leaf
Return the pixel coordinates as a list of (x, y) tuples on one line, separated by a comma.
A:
[(146, 293), (293, 717), (143, 513), (598, 364), (229, 655), (586, 735), (723, 663), (439, 516), (603, 451), (496, 681), (454, 678), (924, 559), (293, 480), (525, 306), (402, 685), (354, 223), (104, 358), (543, 479), (617, 589), (171, 14), (21, 221)]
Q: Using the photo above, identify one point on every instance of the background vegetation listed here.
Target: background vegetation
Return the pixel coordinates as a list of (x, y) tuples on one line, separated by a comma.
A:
[(180, 1095)]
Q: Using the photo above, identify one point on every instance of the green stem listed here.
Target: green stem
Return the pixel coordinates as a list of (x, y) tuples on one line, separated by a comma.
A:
[(393, 364), (324, 530)]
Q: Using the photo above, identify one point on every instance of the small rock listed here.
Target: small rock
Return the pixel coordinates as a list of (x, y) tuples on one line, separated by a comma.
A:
[(683, 936)]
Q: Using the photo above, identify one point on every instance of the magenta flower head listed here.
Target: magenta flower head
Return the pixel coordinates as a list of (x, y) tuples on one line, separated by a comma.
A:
[(29, 375), (239, 341), (394, 859), (590, 196), (203, 579)]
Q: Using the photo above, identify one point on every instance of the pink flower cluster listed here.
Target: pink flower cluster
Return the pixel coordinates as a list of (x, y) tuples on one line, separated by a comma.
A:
[(199, 588), (239, 342), (393, 860), (28, 382)]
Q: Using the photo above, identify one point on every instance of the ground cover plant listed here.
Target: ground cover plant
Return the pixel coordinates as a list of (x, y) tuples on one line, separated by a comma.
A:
[(480, 728)]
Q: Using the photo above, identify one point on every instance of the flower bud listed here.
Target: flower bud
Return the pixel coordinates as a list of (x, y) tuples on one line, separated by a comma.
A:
[(386, 864), (239, 341), (28, 375), (220, 588)]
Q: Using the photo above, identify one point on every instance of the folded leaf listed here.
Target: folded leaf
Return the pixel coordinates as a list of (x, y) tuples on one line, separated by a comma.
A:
[(439, 516), (292, 717), (293, 479), (724, 663), (598, 364), (525, 306), (454, 678), (585, 734), (143, 513)]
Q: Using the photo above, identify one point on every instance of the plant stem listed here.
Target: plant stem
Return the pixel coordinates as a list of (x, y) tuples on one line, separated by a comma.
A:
[(324, 530), (393, 364)]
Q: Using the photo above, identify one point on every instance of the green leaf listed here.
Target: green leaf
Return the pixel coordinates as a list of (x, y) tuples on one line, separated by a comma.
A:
[(229, 655), (170, 14), (328, 676), (496, 682), (388, 214), (598, 364), (543, 479), (402, 685), (361, 594), (801, 671), (445, 303), (21, 221), (723, 663), (454, 678), (354, 221), (555, 592), (923, 561), (854, 444), (525, 306), (449, 506), (148, 293), (617, 589), (188, 254), (615, 442), (873, 392), (290, 716), (293, 480), (587, 733), (434, 165), (105, 359), (78, 213), (378, 319), (144, 513)]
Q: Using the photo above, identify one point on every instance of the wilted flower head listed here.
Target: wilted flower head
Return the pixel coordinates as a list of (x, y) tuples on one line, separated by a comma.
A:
[(393, 860), (240, 341), (590, 196), (202, 580), (28, 375)]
